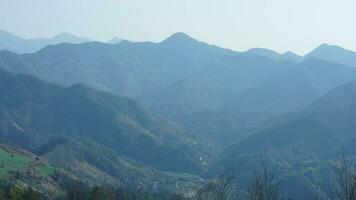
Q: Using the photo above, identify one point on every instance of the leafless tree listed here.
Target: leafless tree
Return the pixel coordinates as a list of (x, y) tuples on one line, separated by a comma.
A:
[(225, 184), (346, 181), (264, 186), (221, 188)]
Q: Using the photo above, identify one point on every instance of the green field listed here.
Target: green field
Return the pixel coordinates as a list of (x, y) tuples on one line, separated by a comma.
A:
[(12, 162), (46, 170)]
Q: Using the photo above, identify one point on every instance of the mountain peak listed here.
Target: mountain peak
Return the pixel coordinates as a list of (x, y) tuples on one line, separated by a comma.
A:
[(326, 46), (115, 40), (289, 53), (274, 55), (179, 38), (263, 52), (67, 38), (334, 53), (6, 36), (3, 32), (64, 35)]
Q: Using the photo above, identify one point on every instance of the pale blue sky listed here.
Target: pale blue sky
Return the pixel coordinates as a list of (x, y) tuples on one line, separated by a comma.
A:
[(296, 25)]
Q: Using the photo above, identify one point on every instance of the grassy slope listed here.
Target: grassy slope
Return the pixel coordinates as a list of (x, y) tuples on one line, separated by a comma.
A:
[(12, 161), (25, 169), (96, 164)]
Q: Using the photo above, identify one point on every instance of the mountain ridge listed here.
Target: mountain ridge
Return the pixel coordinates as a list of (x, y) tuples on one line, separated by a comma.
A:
[(333, 53), (18, 44)]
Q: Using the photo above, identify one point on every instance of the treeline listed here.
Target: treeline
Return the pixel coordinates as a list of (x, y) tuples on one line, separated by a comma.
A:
[(10, 191), (264, 185), (80, 191)]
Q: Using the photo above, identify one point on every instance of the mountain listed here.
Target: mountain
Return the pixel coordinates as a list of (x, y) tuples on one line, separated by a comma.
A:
[(127, 68), (281, 94), (33, 113), (333, 53), (63, 38), (177, 75), (97, 164), (305, 146), (213, 85), (275, 55), (115, 40), (288, 92), (10, 42), (17, 44), (23, 170)]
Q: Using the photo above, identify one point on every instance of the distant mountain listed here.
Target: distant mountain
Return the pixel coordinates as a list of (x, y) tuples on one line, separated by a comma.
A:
[(329, 118), (284, 93), (128, 69), (33, 113), (64, 38), (312, 139), (333, 53), (289, 92), (275, 55), (213, 85), (115, 40), (17, 44)]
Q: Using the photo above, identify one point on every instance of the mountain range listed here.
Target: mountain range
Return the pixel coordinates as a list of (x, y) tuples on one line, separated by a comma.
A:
[(100, 137), (136, 113), (307, 144), (18, 44)]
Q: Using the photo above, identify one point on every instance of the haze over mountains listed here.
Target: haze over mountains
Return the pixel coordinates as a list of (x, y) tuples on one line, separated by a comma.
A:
[(311, 139), (137, 113), (21, 45), (81, 127), (17, 44)]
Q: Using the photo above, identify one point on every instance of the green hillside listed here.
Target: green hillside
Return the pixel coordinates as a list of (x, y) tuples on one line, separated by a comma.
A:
[(22, 169), (99, 137), (12, 162)]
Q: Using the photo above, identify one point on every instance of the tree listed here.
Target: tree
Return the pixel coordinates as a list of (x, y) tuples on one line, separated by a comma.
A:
[(56, 174), (14, 193), (77, 191), (18, 175), (95, 193), (221, 188), (264, 186), (346, 181), (30, 194)]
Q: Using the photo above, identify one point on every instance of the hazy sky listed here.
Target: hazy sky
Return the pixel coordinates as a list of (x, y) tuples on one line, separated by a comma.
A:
[(296, 25)]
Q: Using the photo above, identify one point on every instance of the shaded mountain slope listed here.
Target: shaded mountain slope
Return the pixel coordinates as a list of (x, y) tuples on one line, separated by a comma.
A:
[(33, 112), (315, 138), (289, 92), (282, 94), (98, 165), (212, 86), (173, 77)]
